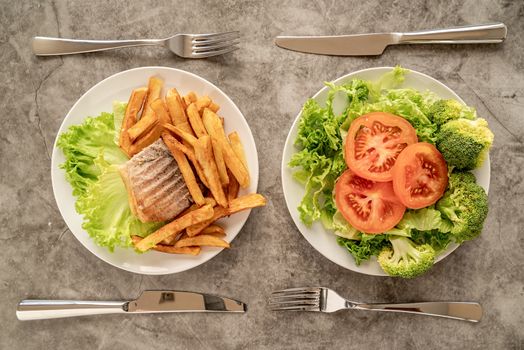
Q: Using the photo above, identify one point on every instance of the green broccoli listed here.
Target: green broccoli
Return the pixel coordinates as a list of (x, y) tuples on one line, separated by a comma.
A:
[(442, 111), (405, 258), (465, 204), (465, 143)]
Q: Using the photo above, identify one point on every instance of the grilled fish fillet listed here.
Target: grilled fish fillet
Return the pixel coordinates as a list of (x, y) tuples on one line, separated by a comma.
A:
[(155, 186)]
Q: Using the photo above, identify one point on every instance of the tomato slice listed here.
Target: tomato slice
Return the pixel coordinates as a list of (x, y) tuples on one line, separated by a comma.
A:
[(374, 142), (369, 206), (420, 175)]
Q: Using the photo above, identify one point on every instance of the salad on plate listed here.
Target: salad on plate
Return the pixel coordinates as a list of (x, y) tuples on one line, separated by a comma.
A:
[(388, 170)]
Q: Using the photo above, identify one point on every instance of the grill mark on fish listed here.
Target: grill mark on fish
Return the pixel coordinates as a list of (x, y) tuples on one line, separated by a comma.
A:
[(157, 183)]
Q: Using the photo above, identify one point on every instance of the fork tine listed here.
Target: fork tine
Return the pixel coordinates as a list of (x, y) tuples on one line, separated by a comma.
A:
[(214, 36), (293, 302), (296, 296), (292, 291), (295, 308), (213, 53), (216, 46), (214, 40)]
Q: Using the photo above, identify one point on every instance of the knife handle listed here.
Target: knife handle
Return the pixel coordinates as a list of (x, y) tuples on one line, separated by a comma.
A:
[(471, 34), (28, 310)]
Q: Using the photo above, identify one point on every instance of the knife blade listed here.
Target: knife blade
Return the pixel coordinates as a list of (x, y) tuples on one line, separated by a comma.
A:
[(150, 301), (338, 45), (375, 43), (175, 301)]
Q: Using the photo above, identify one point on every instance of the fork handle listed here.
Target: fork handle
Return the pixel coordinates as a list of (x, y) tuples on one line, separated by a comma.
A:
[(458, 310), (471, 34), (45, 46)]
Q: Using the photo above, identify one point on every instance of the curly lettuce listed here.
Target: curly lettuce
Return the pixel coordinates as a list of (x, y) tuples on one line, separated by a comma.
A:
[(92, 157), (105, 207), (81, 144), (365, 247), (321, 159)]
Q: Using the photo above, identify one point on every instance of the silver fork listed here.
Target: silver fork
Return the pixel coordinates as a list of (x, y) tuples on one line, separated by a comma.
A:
[(327, 300), (183, 45)]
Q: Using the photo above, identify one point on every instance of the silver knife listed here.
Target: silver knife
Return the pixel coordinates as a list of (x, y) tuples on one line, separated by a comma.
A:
[(151, 301), (374, 44)]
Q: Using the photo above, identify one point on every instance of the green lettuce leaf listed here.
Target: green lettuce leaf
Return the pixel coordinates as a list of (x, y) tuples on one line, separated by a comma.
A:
[(320, 160), (437, 239), (81, 144), (105, 207), (424, 225), (92, 159), (119, 110), (425, 219), (366, 247)]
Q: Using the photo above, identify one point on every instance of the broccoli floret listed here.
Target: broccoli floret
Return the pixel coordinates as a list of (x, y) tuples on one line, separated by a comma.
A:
[(442, 111), (465, 204), (405, 258), (465, 143)]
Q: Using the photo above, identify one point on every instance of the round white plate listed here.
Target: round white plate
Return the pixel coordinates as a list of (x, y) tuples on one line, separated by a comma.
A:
[(99, 99), (324, 240)]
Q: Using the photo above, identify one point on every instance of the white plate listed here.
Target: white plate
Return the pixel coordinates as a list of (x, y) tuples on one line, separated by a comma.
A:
[(324, 240), (99, 99)]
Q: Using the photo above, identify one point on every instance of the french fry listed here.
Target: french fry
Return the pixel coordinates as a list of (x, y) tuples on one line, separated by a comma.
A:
[(191, 250), (170, 249), (195, 120), (211, 201), (219, 212), (217, 234), (191, 155), (232, 189), (186, 127), (190, 98), (145, 140), (219, 160), (160, 110), (213, 229), (213, 125), (236, 144), (204, 156), (187, 137), (202, 102), (175, 226), (213, 106), (136, 100), (249, 201), (148, 119), (171, 239), (175, 107), (185, 169), (202, 240)]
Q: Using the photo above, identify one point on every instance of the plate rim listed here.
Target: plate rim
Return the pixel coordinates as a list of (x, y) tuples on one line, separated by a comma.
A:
[(254, 177), (289, 143)]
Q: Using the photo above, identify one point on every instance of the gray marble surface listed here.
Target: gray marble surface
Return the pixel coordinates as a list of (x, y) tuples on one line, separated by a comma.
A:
[(41, 258)]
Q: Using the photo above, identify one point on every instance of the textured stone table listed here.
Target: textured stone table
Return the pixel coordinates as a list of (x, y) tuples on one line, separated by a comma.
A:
[(41, 258)]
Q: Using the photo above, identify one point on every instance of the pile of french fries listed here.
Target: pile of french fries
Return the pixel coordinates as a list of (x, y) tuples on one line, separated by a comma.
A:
[(195, 135)]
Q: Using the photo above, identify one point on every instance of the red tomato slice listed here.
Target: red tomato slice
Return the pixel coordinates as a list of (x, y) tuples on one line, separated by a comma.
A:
[(374, 142), (369, 206), (420, 175)]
